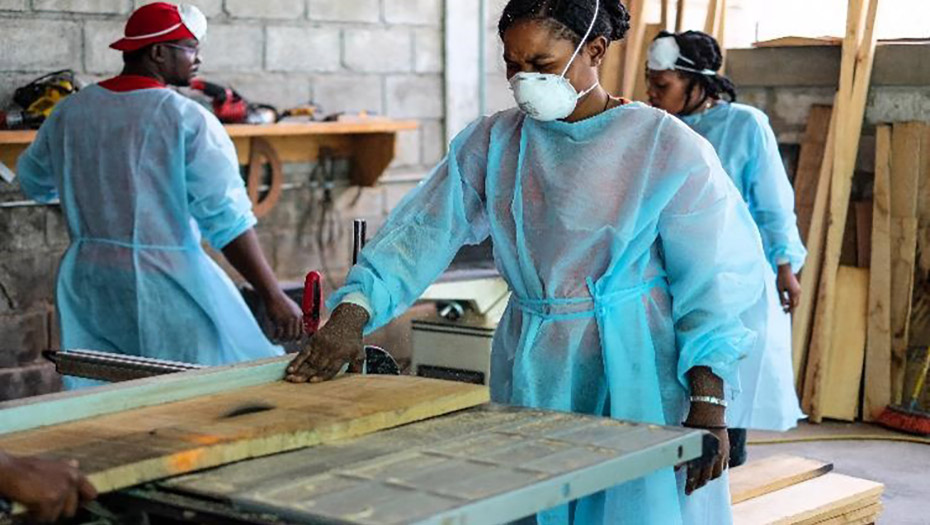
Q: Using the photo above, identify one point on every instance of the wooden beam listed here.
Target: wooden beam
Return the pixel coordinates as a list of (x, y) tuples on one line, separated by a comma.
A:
[(847, 351), (855, 77), (877, 392), (663, 19), (772, 474)]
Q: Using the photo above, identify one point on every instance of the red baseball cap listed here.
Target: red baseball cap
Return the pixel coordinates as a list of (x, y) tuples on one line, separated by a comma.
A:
[(161, 22)]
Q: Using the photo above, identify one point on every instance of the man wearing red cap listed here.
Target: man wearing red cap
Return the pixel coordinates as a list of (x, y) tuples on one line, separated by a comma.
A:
[(142, 173)]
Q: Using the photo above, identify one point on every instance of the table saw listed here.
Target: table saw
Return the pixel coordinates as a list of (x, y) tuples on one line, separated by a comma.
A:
[(358, 450)]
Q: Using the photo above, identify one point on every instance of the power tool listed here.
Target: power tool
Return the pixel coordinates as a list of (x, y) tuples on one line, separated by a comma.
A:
[(232, 108), (37, 100)]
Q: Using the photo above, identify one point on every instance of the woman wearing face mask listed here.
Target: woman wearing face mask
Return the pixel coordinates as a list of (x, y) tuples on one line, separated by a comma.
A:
[(683, 80), (630, 255)]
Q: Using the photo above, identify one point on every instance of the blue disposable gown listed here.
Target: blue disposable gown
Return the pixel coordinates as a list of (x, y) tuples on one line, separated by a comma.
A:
[(140, 175), (748, 150), (631, 258)]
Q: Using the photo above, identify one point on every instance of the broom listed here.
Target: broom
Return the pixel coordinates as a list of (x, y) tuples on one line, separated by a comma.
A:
[(909, 418)]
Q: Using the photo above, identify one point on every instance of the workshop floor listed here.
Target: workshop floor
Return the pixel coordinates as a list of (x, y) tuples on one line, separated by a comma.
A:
[(904, 468)]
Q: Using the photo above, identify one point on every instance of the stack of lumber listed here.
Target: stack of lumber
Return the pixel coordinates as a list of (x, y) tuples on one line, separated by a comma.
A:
[(829, 326), (788, 490)]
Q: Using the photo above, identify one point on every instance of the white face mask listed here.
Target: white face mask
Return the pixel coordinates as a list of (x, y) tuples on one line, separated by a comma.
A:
[(546, 97)]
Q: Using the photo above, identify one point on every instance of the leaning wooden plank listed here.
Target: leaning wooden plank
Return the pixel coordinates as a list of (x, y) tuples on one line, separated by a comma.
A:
[(847, 351), (806, 180), (680, 16), (907, 140), (919, 333), (635, 38), (72, 406), (137, 446), (803, 318), (807, 500), (877, 391), (849, 120), (762, 477)]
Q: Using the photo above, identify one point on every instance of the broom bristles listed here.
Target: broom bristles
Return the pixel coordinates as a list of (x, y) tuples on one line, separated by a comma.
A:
[(910, 421)]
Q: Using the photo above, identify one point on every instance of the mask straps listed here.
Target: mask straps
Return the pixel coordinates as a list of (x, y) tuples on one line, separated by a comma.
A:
[(584, 39)]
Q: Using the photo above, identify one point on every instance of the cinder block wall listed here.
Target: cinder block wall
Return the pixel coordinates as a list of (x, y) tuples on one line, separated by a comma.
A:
[(346, 55)]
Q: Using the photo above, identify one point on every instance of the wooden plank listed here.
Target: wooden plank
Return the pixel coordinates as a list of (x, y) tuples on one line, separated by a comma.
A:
[(847, 353), (762, 477), (863, 516), (21, 137), (907, 140), (852, 513), (65, 407), (919, 335), (680, 16), (635, 38), (810, 160), (128, 448), (858, 58), (863, 210), (808, 500), (800, 41), (803, 318), (877, 391)]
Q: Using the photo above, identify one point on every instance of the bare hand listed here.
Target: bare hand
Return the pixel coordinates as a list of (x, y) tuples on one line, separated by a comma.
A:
[(286, 317), (789, 289), (339, 342), (701, 473), (50, 490)]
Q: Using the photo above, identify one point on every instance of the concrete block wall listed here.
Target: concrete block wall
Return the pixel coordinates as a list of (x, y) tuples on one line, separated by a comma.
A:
[(345, 55)]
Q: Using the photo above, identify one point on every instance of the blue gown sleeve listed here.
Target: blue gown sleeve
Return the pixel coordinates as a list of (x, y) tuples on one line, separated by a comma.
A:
[(216, 195), (423, 233), (715, 266), (771, 201), (34, 169)]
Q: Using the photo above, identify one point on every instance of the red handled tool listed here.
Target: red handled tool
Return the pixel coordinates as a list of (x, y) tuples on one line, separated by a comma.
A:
[(312, 302)]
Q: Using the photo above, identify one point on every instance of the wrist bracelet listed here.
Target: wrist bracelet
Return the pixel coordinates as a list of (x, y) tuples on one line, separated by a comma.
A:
[(710, 400)]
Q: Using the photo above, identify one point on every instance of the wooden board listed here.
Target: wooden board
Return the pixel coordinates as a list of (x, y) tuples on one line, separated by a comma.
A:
[(803, 318), (847, 352), (919, 335), (877, 392), (851, 513), (863, 210), (855, 77), (811, 500), (762, 477), (128, 448), (907, 140), (810, 160)]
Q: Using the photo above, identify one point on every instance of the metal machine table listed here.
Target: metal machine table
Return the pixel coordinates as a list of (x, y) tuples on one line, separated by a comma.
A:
[(486, 465)]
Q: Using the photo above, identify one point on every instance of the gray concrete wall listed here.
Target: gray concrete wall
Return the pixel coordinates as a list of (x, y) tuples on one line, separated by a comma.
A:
[(380, 55)]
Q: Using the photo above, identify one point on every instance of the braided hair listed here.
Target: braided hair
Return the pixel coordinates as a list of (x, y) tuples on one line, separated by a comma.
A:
[(569, 19), (704, 51)]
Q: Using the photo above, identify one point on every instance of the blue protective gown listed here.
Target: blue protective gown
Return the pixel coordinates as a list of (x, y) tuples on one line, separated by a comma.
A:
[(140, 175), (748, 150), (631, 258)]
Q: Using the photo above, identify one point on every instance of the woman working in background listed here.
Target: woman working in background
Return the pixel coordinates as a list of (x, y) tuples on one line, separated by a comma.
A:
[(683, 80)]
